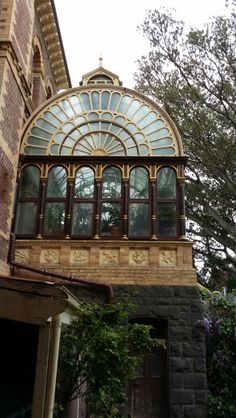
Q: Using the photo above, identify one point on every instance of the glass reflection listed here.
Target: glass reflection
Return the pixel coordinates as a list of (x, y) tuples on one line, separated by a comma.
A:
[(139, 220), (167, 220), (26, 218), (166, 183), (82, 219), (57, 182), (54, 221), (84, 182), (111, 183), (110, 219), (29, 183), (139, 183)]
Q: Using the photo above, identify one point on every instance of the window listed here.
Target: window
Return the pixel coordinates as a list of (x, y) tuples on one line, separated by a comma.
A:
[(139, 222), (55, 208), (83, 208), (26, 216), (110, 224), (166, 201)]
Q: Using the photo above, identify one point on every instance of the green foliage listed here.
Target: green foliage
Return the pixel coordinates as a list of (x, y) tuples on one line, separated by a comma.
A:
[(220, 325), (99, 354), (192, 73)]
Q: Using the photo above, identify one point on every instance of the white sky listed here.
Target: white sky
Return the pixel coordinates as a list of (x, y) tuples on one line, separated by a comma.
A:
[(91, 28)]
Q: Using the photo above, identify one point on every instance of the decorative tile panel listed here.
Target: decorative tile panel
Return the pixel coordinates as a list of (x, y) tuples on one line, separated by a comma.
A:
[(109, 256), (139, 256), (168, 257), (22, 255), (49, 256), (79, 256)]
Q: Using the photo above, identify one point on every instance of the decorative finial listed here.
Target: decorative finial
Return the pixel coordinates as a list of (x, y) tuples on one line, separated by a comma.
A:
[(100, 60)]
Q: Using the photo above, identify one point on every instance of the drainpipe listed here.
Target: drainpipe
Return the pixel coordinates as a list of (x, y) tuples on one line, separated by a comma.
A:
[(52, 366), (45, 272)]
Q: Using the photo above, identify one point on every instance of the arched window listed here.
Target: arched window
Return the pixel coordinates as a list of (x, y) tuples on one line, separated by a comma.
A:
[(111, 202), (26, 215), (83, 208), (139, 219), (166, 201), (55, 208)]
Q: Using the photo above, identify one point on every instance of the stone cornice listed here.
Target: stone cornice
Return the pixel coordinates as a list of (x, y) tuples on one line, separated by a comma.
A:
[(48, 19)]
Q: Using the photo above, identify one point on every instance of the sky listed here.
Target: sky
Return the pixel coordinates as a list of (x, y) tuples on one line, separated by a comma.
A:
[(108, 28)]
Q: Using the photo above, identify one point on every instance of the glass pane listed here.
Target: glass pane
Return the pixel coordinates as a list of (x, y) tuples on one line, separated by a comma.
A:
[(166, 183), (95, 99), (57, 182), (139, 219), (111, 183), (139, 183), (167, 220), (105, 99), (29, 182), (54, 221), (110, 219), (82, 219), (84, 182), (84, 97), (26, 218)]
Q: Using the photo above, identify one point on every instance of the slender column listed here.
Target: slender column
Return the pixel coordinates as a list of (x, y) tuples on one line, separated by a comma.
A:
[(42, 196), (182, 217), (69, 208), (97, 211), (153, 210), (125, 212)]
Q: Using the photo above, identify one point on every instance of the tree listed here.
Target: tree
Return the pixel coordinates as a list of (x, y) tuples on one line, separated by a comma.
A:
[(220, 327), (99, 353), (192, 74)]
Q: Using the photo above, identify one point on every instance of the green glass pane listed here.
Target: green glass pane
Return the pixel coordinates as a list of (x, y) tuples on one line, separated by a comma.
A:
[(85, 101), (107, 116), (80, 120), (161, 143), (82, 221), (57, 111), (139, 222), (124, 103), (139, 183), (163, 151), (84, 182), (111, 183), (57, 182), (131, 127), (167, 220), (36, 141), (95, 100), (35, 151), (144, 150), (157, 127), (105, 126), (41, 133), (68, 127), (93, 115), (76, 104), (29, 182), (114, 101), (120, 120), (26, 218), (59, 137), (105, 99), (42, 123), (110, 219), (54, 219), (66, 106), (133, 108), (54, 149), (151, 117), (51, 118), (143, 111), (166, 183)]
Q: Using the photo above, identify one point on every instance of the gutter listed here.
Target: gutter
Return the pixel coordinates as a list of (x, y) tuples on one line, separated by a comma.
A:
[(45, 272)]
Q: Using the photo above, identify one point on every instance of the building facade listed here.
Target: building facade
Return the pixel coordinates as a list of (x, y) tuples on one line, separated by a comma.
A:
[(99, 201)]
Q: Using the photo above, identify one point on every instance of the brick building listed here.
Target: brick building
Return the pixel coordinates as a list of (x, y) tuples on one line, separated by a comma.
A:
[(99, 175)]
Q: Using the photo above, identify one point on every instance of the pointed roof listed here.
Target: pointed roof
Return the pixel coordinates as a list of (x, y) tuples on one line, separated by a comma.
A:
[(100, 76)]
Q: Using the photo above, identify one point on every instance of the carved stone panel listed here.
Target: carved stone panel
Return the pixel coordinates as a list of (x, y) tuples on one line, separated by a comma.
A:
[(22, 255), (168, 257), (79, 256), (49, 256), (109, 256), (139, 256)]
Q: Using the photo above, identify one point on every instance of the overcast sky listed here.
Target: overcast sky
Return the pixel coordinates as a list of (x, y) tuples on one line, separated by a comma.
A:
[(91, 28)]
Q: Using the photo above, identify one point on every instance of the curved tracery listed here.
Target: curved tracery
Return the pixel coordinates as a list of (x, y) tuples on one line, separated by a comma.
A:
[(98, 122)]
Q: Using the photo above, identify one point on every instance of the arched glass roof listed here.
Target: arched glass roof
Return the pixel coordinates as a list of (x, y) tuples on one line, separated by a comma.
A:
[(111, 121)]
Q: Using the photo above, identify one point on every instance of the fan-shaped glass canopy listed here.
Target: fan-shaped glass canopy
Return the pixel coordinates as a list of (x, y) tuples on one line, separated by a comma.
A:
[(101, 121)]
